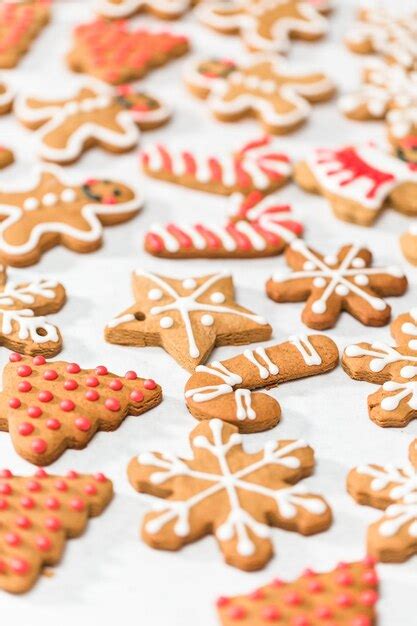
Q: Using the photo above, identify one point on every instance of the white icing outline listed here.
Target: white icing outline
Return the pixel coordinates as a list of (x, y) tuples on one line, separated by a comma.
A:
[(173, 8)]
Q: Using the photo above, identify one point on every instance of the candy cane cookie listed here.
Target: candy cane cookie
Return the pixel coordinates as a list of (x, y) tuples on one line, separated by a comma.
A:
[(223, 389)]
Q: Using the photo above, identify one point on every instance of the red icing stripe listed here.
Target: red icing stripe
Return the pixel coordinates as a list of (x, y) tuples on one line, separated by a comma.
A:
[(243, 179), (211, 238), (190, 164), (154, 242), (241, 239), (166, 158), (184, 240), (216, 170), (269, 237), (293, 226)]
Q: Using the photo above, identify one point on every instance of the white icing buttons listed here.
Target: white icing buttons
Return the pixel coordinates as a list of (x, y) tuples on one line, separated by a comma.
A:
[(189, 283), (217, 297), (49, 199), (342, 290), (155, 294), (308, 266), (166, 322), (358, 262), (30, 204), (361, 280), (319, 281), (331, 260), (68, 195), (207, 320)]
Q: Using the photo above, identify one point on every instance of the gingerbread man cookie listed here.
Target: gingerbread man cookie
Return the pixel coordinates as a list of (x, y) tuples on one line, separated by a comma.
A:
[(187, 317), (265, 25), (95, 116), (224, 388), (345, 596), (229, 492), (112, 52), (48, 407), (38, 514), (50, 210), (276, 92), (392, 538), (164, 9), (20, 23), (6, 157), (258, 227), (402, 133), (258, 165), (408, 242), (392, 367), (334, 283), (359, 181)]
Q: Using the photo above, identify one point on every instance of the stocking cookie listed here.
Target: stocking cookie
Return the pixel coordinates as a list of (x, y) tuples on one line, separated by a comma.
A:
[(345, 596), (276, 92), (392, 367), (48, 407), (265, 25), (95, 116), (187, 317), (359, 181), (228, 492), (112, 52), (392, 538), (38, 514), (257, 228), (258, 165), (50, 210), (165, 9), (20, 24), (333, 283), (223, 389), (409, 244)]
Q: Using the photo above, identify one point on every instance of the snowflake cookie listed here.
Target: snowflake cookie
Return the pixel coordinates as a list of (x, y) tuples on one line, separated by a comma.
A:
[(224, 388), (187, 317), (265, 25), (392, 367), (164, 9), (393, 538), (408, 242), (97, 115), (38, 514), (333, 283), (231, 493), (276, 92)]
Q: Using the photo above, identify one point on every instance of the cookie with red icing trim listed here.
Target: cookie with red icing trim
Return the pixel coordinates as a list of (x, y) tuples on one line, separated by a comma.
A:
[(359, 181), (113, 52), (49, 209), (20, 24), (48, 407), (164, 9), (408, 243), (345, 596), (38, 514)]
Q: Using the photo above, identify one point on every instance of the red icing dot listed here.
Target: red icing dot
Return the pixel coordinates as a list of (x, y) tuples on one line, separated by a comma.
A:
[(237, 612), (101, 370), (43, 543), (100, 477), (50, 375), (342, 565), (315, 586), (24, 386), (277, 583), (72, 474), (345, 579), (24, 370), (39, 360), (61, 485), (90, 490), (344, 600), (14, 403), (92, 395), (52, 523), (3, 504), (73, 368), (83, 423), (34, 411), (39, 446), (222, 601), (5, 489), (324, 612), (149, 384), (70, 384), (33, 485), (3, 566), (309, 573), (19, 566), (136, 396), (67, 405), (301, 620), (271, 613), (41, 473), (368, 598), (53, 424), (112, 404), (115, 384), (25, 429), (370, 577), (45, 396), (362, 620), (14, 357), (292, 598), (258, 594), (5, 473), (52, 503), (23, 522), (369, 561), (92, 381), (27, 502), (77, 504), (130, 375)]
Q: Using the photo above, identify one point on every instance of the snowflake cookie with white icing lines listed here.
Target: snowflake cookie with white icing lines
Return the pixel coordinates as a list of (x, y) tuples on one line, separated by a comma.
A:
[(227, 389), (393, 537), (47, 208), (230, 493), (96, 115), (408, 241), (394, 368), (265, 25), (165, 9), (332, 283), (359, 181), (267, 87), (187, 317)]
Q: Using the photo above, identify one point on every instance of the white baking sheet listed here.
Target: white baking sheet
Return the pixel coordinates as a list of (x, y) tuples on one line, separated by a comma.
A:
[(109, 574)]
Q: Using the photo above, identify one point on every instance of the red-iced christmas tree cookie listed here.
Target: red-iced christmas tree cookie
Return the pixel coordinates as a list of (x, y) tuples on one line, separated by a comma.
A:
[(20, 23), (48, 407), (96, 115), (116, 54), (165, 9), (230, 493), (38, 514)]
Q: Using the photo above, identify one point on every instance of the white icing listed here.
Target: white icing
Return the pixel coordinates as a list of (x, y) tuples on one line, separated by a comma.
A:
[(217, 297), (306, 349), (401, 391), (155, 294), (166, 322), (410, 328), (49, 199), (68, 195), (124, 8), (267, 367), (189, 283), (122, 319), (383, 355), (31, 204), (207, 320)]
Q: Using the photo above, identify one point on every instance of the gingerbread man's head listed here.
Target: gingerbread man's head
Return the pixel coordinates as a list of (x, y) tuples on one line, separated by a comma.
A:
[(106, 191), (216, 68)]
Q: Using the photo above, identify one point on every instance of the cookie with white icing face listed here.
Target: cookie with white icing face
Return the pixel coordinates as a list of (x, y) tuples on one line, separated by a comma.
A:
[(392, 538), (187, 317), (47, 209), (408, 243), (164, 9), (225, 491), (228, 389), (20, 24), (332, 283), (394, 368)]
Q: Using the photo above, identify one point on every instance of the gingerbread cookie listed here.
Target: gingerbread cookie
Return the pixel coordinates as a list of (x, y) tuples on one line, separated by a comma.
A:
[(95, 116), (257, 228), (229, 492), (345, 596), (409, 244), (6, 157), (265, 25), (258, 165), (392, 367), (6, 96), (224, 388), (23, 306), (333, 283), (51, 210), (164, 9), (359, 181), (20, 24), (38, 514), (187, 317), (116, 54), (276, 92), (48, 407), (402, 133), (392, 538)]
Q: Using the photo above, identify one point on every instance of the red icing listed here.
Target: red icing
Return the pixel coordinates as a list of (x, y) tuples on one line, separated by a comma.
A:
[(12, 539), (45, 396), (222, 601), (368, 598), (270, 613), (101, 370), (136, 396), (14, 403), (130, 375), (293, 598), (41, 473), (39, 446), (237, 612), (344, 600), (149, 384), (19, 566), (70, 385), (116, 384), (34, 485), (14, 357), (52, 503), (83, 423), (112, 404), (73, 368), (34, 411), (154, 242), (61, 485), (72, 474), (212, 239), (39, 360), (183, 239), (24, 370), (5, 473), (27, 502), (5, 489), (50, 375), (53, 524), (90, 490), (100, 478), (92, 381), (345, 579), (43, 543), (23, 522), (67, 405), (324, 612), (24, 386), (53, 424), (77, 504), (92, 395)]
